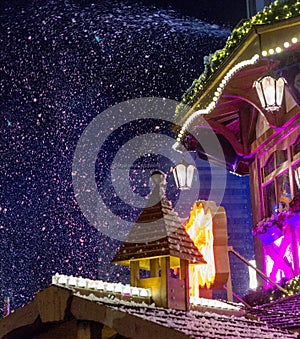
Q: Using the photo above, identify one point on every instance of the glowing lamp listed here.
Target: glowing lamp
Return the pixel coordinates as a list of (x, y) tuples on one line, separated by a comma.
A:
[(270, 92), (183, 175)]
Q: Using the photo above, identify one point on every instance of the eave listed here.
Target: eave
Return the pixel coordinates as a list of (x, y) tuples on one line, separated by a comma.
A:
[(229, 103)]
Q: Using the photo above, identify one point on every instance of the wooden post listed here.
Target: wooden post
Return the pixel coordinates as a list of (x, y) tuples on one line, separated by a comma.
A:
[(134, 272), (229, 287), (165, 273), (154, 267), (184, 275)]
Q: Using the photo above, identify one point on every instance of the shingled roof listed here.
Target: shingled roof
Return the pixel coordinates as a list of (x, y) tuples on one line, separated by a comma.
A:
[(283, 313), (158, 231), (59, 310)]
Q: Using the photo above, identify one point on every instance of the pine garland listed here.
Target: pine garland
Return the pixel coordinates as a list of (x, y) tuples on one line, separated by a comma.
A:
[(277, 11)]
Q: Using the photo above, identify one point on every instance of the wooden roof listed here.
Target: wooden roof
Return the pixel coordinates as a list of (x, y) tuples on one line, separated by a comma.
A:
[(58, 312), (283, 313), (158, 231), (237, 111)]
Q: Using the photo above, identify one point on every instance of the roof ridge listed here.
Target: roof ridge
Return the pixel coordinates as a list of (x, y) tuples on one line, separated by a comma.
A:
[(158, 222)]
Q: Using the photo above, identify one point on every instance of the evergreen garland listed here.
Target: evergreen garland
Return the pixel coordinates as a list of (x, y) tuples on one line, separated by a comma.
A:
[(277, 11)]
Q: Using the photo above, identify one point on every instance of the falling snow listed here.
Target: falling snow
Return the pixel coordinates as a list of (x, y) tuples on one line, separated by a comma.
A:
[(61, 64)]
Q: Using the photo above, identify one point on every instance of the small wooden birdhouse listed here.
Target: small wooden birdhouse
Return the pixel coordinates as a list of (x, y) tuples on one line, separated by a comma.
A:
[(159, 243)]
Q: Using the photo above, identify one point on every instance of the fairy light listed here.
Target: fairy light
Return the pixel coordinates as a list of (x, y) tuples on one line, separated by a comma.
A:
[(216, 96), (118, 288), (225, 80), (134, 291), (143, 292), (81, 282), (99, 285)]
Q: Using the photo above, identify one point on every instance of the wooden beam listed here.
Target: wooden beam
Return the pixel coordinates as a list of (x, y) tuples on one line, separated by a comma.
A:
[(134, 272), (165, 274), (154, 267), (245, 126), (22, 317), (219, 128), (52, 303), (229, 287), (184, 275)]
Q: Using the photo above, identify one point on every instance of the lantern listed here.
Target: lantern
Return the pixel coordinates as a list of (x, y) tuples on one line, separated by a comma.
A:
[(183, 175), (270, 92)]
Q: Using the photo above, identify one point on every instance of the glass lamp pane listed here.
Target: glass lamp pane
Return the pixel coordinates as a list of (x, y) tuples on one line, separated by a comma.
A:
[(181, 175), (190, 175), (173, 170), (268, 84), (279, 91), (260, 93)]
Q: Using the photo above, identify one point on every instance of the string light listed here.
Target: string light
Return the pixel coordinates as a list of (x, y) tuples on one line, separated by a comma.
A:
[(99, 285), (217, 95), (225, 80), (277, 11)]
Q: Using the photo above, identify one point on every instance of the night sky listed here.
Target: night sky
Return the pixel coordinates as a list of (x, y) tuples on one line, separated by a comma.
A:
[(61, 64)]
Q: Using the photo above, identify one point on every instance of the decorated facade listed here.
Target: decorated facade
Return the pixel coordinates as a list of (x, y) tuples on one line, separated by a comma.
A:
[(237, 97)]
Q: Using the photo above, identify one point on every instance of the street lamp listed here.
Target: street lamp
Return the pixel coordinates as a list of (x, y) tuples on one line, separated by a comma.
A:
[(183, 175), (270, 92)]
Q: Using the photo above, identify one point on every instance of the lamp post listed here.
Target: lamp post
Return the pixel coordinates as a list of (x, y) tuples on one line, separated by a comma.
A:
[(270, 92), (183, 174)]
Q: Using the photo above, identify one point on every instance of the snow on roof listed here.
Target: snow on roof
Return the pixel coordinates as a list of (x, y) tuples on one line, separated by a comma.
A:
[(206, 324), (213, 303), (196, 324), (113, 300), (116, 289), (283, 313), (99, 285), (56, 304)]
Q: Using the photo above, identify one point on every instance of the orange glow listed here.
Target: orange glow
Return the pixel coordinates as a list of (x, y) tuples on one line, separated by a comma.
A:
[(199, 228)]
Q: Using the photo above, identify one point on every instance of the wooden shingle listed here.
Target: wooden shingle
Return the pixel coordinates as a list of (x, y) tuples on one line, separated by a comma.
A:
[(158, 231)]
